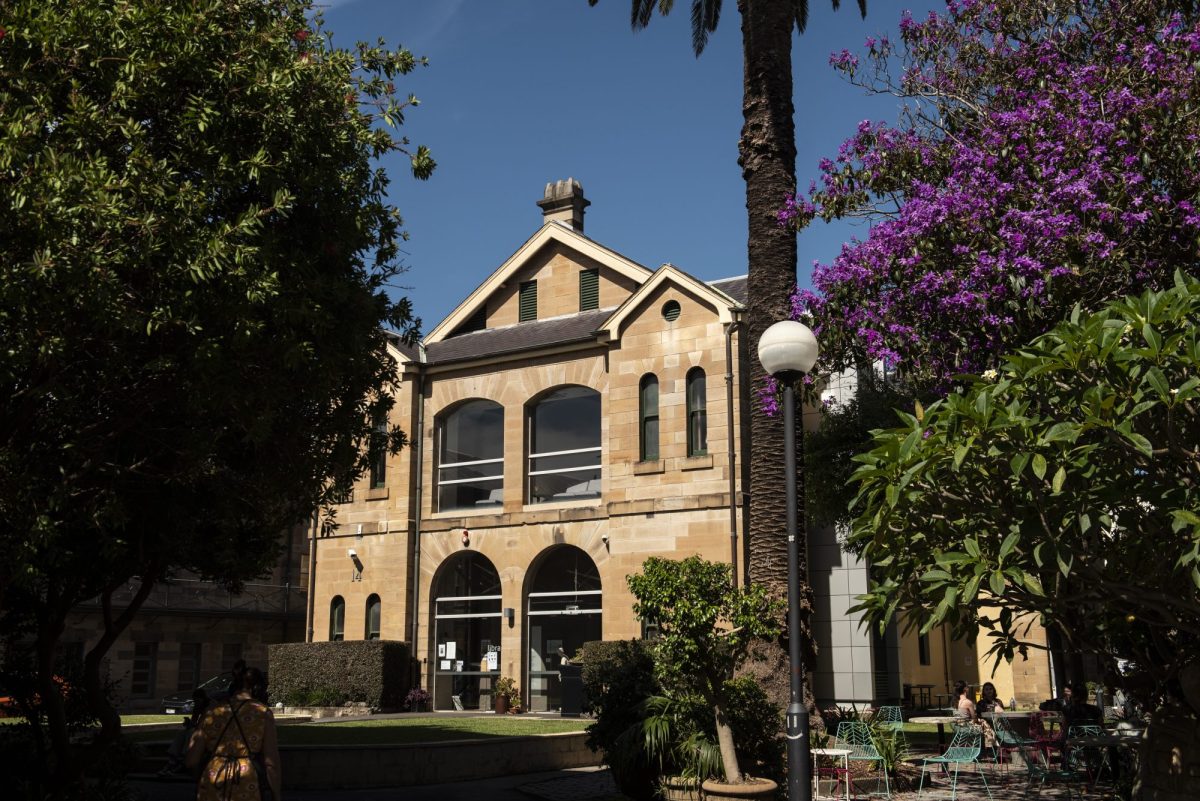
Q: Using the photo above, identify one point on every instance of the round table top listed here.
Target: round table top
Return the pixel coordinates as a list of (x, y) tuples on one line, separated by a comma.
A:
[(943, 719), (831, 752), (1100, 740)]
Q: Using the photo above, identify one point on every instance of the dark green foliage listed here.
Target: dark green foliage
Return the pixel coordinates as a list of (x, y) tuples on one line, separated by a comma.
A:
[(198, 248), (1061, 487), (618, 677), (332, 673)]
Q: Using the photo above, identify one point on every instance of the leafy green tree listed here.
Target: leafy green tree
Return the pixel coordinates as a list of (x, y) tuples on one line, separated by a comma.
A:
[(1065, 484), (707, 625), (767, 155), (197, 246)]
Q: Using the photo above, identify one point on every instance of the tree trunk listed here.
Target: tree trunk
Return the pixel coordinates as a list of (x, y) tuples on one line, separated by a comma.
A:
[(1169, 764), (767, 155), (729, 760)]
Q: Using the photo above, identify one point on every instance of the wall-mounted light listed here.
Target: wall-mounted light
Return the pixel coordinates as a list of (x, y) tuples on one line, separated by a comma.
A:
[(353, 554), (466, 537), (509, 615), (604, 539)]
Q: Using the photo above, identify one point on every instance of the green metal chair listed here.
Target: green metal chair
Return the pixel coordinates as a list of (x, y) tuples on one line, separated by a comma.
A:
[(856, 737), (964, 748), (1042, 770), (1008, 742), (1093, 760), (891, 717)]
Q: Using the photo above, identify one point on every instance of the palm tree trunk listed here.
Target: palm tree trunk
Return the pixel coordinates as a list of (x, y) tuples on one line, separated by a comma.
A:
[(767, 155)]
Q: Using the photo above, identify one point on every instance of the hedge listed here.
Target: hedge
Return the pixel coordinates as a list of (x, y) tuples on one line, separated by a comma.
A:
[(617, 677), (333, 673)]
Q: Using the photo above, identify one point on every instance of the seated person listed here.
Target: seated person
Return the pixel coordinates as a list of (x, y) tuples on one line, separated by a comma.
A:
[(988, 700), (964, 708)]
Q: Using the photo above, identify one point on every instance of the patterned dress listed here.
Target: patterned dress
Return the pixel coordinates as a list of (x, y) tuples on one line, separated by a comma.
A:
[(232, 773)]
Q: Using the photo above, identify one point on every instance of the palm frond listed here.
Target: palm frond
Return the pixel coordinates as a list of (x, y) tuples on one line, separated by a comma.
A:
[(705, 16), (800, 13)]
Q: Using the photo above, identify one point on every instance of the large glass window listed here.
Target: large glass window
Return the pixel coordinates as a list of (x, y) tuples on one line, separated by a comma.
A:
[(373, 618), (337, 619), (564, 446), (564, 612), (467, 615), (471, 456), (648, 394), (697, 413)]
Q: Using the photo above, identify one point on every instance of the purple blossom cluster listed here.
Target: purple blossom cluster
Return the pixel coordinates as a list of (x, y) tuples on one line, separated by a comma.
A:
[(1047, 157)]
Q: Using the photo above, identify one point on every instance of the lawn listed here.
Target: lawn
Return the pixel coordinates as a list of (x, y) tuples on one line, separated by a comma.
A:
[(397, 731)]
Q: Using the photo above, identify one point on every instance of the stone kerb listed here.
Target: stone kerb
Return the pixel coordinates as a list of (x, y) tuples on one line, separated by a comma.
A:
[(365, 766), (352, 710)]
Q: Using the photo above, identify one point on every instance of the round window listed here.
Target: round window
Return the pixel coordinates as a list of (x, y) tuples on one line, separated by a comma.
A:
[(670, 311)]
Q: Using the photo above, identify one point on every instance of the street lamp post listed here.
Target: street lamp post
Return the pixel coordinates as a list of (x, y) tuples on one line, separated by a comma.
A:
[(788, 350)]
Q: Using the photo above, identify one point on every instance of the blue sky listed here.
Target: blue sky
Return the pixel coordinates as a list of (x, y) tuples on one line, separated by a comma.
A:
[(521, 92)]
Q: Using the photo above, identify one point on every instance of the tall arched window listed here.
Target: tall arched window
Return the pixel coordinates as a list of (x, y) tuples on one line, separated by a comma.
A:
[(471, 456), (564, 446), (373, 617), (697, 413), (648, 414), (379, 450), (337, 619)]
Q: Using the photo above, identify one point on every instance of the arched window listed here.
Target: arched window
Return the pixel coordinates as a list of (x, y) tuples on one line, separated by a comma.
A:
[(648, 414), (374, 615), (379, 448), (564, 446), (337, 619), (564, 609), (697, 413), (467, 618), (471, 456)]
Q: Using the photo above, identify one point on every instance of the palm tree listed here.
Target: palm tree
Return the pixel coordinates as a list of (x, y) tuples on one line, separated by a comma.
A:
[(767, 155)]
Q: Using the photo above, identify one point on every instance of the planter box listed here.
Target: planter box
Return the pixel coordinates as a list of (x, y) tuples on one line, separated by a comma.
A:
[(318, 712)]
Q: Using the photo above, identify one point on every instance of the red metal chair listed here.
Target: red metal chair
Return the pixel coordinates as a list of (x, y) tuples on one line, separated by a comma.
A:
[(1046, 731)]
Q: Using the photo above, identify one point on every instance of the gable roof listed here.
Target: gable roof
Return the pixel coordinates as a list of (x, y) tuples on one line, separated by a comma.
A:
[(725, 306), (553, 231), (734, 287)]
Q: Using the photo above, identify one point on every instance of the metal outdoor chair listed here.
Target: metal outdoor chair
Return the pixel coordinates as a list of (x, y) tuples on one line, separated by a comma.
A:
[(964, 748), (1008, 742), (1041, 770), (856, 737), (1092, 759), (1046, 730), (891, 717)]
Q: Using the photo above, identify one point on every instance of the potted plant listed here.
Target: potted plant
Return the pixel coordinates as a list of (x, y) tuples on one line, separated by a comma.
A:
[(417, 699), (706, 625), (506, 696)]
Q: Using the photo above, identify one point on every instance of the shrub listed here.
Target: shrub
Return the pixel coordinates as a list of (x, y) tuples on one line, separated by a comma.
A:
[(416, 699), (331, 673), (618, 677)]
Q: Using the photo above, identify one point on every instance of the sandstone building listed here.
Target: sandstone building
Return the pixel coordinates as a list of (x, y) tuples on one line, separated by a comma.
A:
[(575, 414)]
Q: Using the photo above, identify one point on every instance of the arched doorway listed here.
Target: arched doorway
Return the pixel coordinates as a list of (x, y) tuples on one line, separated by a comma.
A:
[(466, 626), (562, 612)]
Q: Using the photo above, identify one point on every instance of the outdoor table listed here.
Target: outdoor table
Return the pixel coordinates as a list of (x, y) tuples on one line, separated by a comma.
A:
[(941, 721), (923, 694), (844, 754)]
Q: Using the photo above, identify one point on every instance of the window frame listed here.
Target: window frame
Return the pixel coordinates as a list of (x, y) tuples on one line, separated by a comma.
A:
[(645, 416), (337, 619), (439, 450), (697, 412), (374, 603), (531, 456), (147, 664), (527, 297), (379, 430), (589, 289)]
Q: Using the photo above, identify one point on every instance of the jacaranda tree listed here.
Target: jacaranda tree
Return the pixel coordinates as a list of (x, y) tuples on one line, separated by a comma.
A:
[(1047, 157), (1064, 484), (197, 245)]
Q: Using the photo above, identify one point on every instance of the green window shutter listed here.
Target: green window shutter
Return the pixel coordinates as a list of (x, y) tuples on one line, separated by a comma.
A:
[(528, 302), (589, 289)]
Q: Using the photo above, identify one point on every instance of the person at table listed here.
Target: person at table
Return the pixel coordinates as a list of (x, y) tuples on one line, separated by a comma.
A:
[(1078, 711), (964, 709), (988, 700)]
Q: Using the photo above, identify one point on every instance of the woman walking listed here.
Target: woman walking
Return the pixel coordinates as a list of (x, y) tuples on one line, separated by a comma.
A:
[(237, 745)]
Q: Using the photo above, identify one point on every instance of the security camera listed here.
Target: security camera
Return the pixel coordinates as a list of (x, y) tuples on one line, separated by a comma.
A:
[(604, 538), (353, 554)]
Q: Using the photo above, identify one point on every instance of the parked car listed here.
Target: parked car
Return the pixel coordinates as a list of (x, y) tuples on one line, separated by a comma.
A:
[(181, 703)]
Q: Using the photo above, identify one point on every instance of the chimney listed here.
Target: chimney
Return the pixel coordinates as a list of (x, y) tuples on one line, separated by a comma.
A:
[(564, 201)]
